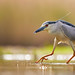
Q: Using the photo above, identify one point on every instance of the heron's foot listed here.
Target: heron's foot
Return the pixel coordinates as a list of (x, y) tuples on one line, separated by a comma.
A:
[(41, 59), (44, 57)]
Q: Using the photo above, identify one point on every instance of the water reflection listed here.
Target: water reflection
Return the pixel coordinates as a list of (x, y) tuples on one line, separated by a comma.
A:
[(32, 57), (17, 57), (28, 68), (57, 69), (43, 67), (21, 64)]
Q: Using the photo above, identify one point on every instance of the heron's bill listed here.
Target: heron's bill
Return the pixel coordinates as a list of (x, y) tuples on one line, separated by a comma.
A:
[(40, 29)]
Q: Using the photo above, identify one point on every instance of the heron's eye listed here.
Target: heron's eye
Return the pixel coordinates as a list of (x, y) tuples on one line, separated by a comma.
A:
[(46, 25)]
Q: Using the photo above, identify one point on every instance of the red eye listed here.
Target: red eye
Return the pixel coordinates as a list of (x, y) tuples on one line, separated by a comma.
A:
[(46, 25)]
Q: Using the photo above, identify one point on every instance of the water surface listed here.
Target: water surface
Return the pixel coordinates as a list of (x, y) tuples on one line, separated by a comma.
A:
[(28, 68)]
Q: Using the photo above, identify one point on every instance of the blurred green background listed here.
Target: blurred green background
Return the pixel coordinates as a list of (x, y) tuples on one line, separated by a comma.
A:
[(20, 18)]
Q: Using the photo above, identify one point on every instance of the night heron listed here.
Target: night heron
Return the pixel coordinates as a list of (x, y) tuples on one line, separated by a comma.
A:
[(62, 31)]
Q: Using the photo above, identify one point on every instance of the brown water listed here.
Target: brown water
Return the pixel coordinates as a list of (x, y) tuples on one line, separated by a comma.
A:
[(28, 68)]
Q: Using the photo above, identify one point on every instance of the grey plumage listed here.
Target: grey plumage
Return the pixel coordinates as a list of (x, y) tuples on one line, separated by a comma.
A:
[(68, 29), (67, 23), (69, 32), (62, 31)]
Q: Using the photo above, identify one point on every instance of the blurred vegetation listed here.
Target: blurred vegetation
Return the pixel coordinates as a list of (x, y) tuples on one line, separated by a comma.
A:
[(1, 53), (36, 50), (59, 50)]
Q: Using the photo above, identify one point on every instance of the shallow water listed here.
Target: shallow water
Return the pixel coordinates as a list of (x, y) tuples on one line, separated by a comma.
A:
[(28, 68)]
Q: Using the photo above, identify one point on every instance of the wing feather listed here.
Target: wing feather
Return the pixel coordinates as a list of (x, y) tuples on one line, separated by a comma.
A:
[(69, 31)]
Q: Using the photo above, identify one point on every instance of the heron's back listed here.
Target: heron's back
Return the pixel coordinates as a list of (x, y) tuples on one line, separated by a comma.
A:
[(69, 32)]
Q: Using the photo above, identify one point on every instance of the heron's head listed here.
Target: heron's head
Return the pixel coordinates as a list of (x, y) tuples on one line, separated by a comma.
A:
[(45, 26)]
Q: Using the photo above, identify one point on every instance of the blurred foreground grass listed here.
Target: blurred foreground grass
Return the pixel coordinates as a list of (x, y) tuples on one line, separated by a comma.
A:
[(59, 50), (36, 50)]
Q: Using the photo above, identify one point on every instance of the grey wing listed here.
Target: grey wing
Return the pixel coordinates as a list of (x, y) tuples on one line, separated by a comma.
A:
[(69, 31)]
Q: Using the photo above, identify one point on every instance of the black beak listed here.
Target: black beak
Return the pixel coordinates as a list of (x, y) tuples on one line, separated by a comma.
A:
[(40, 29)]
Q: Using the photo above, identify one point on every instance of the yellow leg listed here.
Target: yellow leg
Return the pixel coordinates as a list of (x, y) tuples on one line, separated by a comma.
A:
[(43, 58), (71, 43), (71, 58), (54, 46)]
